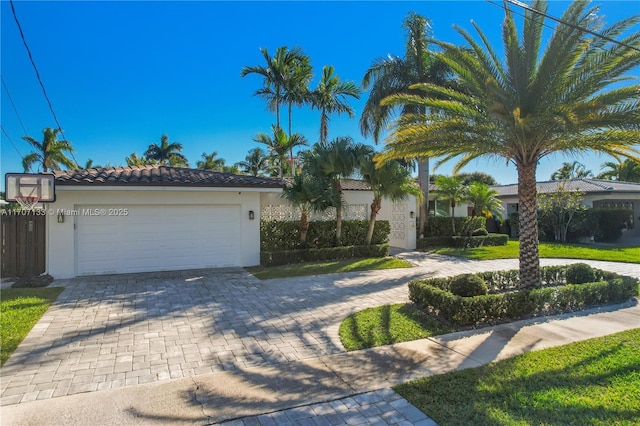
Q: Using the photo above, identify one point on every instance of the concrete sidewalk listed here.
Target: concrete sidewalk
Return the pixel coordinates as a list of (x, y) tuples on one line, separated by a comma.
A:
[(253, 391)]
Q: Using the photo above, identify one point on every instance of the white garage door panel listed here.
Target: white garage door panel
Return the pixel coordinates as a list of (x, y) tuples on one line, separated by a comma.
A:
[(158, 238)]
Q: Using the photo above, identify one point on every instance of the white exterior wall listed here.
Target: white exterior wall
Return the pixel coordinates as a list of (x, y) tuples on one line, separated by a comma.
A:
[(61, 239), (358, 207)]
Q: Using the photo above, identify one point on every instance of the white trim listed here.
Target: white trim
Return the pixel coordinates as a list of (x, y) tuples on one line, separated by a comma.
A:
[(164, 188)]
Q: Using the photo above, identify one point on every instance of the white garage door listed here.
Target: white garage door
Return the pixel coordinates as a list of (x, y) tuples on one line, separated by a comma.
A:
[(156, 238)]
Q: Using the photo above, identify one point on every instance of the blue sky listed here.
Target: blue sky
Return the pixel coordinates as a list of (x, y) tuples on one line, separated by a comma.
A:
[(121, 74)]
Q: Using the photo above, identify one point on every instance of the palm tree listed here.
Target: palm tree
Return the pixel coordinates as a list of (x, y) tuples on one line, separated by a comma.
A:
[(232, 168), (626, 171), (484, 200), (210, 162), (50, 154), (255, 162), (164, 152), (309, 193), (134, 160), (392, 75), (330, 97), (530, 105), (452, 190), (389, 180), (570, 171), (333, 161), (89, 165), (283, 75), (280, 144)]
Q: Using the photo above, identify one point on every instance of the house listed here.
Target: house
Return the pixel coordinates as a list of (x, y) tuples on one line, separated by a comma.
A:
[(598, 193), (153, 218)]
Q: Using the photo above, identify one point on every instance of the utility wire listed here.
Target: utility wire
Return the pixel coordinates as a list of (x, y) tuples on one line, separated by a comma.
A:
[(9, 137), (35, 68), (14, 106), (560, 21)]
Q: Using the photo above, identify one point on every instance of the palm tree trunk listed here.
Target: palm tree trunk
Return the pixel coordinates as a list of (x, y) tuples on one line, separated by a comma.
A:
[(453, 218), (339, 215), (528, 220), (293, 173), (375, 209), (423, 177), (304, 226)]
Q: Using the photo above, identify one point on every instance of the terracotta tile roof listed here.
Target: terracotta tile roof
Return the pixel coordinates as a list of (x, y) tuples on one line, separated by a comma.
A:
[(158, 175), (588, 186)]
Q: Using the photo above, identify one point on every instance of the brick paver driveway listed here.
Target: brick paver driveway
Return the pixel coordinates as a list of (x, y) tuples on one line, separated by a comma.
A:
[(113, 331)]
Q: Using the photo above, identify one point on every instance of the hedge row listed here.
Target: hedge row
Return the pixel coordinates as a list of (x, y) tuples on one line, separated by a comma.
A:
[(285, 257), (441, 226), (477, 241), (432, 296), (285, 235)]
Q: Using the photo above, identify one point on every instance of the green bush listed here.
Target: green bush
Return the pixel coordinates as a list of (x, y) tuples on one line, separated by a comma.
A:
[(610, 223), (433, 295), (580, 273), (480, 232), (285, 235), (285, 257), (488, 240), (468, 285), (441, 226)]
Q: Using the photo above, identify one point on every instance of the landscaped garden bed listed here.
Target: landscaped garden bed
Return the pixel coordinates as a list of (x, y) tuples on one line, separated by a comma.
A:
[(490, 297)]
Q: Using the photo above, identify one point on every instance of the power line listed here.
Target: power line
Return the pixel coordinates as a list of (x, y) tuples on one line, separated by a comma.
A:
[(35, 68), (569, 24), (14, 106), (9, 137)]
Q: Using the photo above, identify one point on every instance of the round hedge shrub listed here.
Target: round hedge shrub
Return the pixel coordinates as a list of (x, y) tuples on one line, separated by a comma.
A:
[(468, 285), (580, 273), (480, 232)]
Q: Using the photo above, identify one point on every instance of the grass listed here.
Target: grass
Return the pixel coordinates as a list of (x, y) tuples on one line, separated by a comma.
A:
[(564, 251), (20, 309), (595, 382), (318, 268), (388, 324)]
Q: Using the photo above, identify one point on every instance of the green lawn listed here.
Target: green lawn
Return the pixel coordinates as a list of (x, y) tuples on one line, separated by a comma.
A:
[(20, 309), (388, 324), (565, 251), (594, 382), (318, 268)]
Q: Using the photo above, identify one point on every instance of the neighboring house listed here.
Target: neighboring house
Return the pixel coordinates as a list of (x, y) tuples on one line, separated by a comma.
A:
[(358, 198), (597, 193), (153, 218)]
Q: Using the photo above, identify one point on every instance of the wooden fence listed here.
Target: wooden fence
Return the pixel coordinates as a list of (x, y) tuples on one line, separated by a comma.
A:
[(13, 244)]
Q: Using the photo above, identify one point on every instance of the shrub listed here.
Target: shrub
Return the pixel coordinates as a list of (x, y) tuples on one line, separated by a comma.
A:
[(488, 240), (480, 232), (285, 235), (580, 273), (433, 295), (285, 257), (468, 285), (441, 226), (610, 223)]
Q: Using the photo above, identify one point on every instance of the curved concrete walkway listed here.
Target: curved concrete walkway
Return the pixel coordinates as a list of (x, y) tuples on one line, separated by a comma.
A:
[(105, 335)]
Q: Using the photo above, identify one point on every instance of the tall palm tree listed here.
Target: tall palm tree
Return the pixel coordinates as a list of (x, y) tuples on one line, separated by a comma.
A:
[(135, 160), (484, 200), (280, 145), (529, 105), (50, 154), (569, 171), (283, 76), (309, 194), (389, 180), (164, 152), (211, 162), (333, 161), (626, 171), (255, 162), (392, 75), (330, 97), (452, 190)]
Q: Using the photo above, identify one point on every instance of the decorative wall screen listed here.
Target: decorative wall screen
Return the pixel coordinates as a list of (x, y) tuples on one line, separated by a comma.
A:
[(398, 221), (288, 212)]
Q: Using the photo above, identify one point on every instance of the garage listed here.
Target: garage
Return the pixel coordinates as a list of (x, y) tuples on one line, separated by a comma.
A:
[(152, 218), (156, 238)]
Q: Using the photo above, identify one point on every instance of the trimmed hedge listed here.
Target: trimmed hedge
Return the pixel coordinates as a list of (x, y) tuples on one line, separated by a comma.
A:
[(433, 295), (441, 226), (285, 257), (285, 235), (476, 241)]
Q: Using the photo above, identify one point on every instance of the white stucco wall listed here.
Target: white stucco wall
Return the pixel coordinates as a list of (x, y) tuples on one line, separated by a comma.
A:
[(61, 249)]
